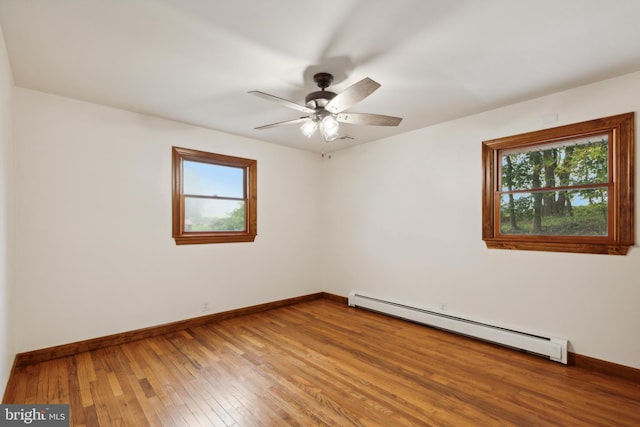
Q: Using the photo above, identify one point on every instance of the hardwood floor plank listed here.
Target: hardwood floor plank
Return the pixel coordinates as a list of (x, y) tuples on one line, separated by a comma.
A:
[(31, 393), (323, 376), (365, 366), (239, 395), (280, 386), (321, 363), (254, 387), (43, 382), (155, 374), (86, 376), (17, 390)]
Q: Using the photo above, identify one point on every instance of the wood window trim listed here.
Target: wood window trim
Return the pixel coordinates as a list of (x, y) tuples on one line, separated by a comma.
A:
[(622, 157), (182, 237)]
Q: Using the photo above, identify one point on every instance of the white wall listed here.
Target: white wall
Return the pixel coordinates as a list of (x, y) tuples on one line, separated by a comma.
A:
[(93, 214), (7, 347), (402, 220)]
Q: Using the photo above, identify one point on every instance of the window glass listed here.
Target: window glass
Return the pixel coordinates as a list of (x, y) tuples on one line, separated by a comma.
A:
[(569, 163), (205, 179), (557, 188), (571, 213), (213, 214)]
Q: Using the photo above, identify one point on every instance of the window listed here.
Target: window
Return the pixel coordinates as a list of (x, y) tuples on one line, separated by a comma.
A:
[(214, 198), (567, 189)]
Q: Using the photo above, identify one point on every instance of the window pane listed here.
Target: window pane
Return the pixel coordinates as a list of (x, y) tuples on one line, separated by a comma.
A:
[(204, 179), (213, 215), (561, 164), (558, 213)]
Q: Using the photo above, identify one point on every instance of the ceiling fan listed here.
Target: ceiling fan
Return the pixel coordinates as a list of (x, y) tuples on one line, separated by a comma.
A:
[(326, 109)]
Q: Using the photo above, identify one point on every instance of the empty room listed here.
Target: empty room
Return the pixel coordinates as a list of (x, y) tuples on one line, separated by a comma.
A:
[(347, 213)]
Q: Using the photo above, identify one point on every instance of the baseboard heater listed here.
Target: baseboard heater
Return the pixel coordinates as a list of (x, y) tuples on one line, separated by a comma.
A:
[(553, 348)]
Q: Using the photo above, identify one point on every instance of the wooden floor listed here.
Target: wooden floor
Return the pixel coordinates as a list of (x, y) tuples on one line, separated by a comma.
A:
[(322, 363)]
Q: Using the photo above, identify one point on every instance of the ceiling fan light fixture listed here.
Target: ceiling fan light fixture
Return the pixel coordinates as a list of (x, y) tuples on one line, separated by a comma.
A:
[(326, 108), (309, 127), (329, 128)]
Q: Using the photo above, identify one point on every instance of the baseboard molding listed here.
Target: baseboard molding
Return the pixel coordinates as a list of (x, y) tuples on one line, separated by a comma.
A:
[(336, 298), (42, 355), (604, 367)]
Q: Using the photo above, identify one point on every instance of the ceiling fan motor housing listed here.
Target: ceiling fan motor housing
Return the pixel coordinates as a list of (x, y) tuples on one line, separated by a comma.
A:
[(318, 99)]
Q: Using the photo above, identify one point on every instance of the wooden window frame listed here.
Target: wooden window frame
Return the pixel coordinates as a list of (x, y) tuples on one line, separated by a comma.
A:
[(182, 237), (621, 196)]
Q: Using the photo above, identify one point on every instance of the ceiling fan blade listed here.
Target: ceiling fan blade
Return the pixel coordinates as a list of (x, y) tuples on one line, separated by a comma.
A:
[(352, 95), (286, 122), (282, 101), (368, 119)]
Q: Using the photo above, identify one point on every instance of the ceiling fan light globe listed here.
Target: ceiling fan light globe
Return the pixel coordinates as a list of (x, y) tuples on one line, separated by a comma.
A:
[(329, 128), (309, 127)]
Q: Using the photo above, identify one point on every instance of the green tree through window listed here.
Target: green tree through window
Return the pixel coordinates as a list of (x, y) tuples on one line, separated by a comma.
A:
[(558, 190), (234, 221)]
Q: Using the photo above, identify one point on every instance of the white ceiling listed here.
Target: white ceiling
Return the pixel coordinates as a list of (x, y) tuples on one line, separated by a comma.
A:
[(195, 60)]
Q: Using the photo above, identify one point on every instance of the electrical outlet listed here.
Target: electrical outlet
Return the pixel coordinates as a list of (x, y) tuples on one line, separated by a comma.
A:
[(443, 307), (205, 307)]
